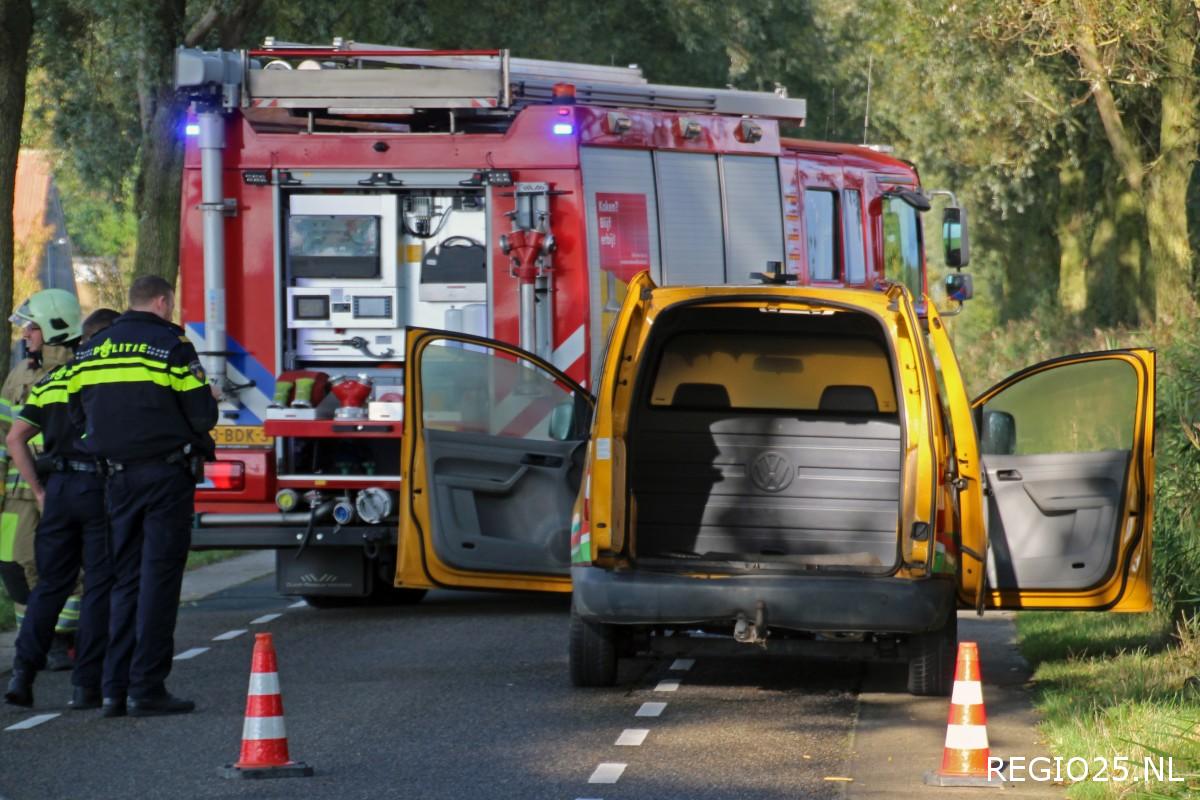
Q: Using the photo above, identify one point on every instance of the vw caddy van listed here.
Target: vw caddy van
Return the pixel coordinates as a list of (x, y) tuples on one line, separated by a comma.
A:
[(800, 469)]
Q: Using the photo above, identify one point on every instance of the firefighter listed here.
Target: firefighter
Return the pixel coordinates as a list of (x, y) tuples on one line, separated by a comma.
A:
[(50, 327), (145, 406), (73, 531)]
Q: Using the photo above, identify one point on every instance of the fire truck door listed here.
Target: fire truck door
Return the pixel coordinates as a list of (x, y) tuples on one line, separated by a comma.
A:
[(492, 454)]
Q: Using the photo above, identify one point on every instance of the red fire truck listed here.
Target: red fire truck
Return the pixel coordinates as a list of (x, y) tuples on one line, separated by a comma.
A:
[(335, 196)]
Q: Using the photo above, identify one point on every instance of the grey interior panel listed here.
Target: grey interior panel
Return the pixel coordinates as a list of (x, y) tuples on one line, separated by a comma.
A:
[(809, 488), (1053, 518), (501, 503)]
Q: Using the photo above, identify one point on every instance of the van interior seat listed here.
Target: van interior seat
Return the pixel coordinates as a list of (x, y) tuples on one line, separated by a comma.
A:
[(849, 400), (701, 395)]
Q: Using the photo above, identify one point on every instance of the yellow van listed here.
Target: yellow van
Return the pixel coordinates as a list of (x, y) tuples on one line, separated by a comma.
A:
[(799, 469)]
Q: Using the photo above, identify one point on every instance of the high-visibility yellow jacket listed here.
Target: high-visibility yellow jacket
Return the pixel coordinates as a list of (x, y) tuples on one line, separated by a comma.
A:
[(12, 396)]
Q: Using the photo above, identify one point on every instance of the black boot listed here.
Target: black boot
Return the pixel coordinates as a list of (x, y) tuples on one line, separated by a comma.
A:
[(84, 697), (60, 658), (20, 688)]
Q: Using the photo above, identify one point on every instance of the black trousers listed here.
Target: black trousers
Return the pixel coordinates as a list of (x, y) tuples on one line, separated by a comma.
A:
[(150, 508), (73, 532)]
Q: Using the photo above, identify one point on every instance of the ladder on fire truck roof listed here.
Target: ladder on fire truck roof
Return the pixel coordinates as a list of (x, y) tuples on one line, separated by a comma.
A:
[(355, 78)]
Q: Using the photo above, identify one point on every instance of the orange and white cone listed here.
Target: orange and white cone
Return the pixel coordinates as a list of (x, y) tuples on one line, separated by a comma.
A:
[(966, 751), (264, 737)]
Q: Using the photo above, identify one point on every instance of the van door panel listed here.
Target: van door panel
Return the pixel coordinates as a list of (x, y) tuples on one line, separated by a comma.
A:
[(1067, 451), (492, 462), (501, 504), (1053, 518)]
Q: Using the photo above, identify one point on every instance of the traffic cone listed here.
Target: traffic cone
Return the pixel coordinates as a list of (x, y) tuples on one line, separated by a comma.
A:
[(965, 755), (264, 739)]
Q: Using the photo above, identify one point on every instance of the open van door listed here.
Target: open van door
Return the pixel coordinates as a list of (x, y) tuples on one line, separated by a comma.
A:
[(965, 470), (492, 459), (1067, 448)]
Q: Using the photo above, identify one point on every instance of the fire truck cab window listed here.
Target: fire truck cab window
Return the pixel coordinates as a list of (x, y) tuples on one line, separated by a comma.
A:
[(856, 264), (820, 215), (902, 245), (469, 388)]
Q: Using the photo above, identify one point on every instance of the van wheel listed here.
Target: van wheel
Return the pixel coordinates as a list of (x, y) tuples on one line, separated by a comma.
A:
[(931, 667), (593, 653)]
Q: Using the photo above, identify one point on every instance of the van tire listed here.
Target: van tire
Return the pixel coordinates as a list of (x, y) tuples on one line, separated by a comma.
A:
[(931, 665), (593, 653)]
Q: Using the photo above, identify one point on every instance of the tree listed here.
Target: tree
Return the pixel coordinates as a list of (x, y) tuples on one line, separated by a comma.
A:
[(16, 33), (1138, 62)]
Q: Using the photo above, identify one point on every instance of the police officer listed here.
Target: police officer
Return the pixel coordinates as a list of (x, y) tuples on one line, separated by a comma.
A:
[(143, 401), (50, 328), (73, 531)]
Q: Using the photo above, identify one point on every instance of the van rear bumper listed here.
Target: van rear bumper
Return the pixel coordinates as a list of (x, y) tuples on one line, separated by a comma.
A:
[(869, 604)]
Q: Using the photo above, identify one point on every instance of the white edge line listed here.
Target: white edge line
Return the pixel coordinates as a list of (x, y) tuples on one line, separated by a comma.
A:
[(651, 710), (32, 722), (186, 654), (227, 635)]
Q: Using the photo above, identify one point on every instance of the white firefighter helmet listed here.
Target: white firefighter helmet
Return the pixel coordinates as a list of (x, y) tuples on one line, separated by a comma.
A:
[(55, 311)]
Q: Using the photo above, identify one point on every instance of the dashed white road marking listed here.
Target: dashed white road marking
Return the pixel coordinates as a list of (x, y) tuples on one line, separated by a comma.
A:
[(227, 635), (669, 685), (298, 604), (683, 664), (607, 773), (651, 709), (33, 722), (186, 654), (265, 618), (633, 737)]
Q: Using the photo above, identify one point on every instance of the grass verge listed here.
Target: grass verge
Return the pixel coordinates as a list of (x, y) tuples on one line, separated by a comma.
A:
[(1118, 685), (196, 558)]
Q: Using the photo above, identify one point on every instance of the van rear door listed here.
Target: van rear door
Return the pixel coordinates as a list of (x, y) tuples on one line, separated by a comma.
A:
[(1067, 448), (492, 459)]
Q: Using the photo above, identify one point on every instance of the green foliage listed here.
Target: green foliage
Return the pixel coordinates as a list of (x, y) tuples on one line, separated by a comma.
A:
[(1107, 684), (1177, 483)]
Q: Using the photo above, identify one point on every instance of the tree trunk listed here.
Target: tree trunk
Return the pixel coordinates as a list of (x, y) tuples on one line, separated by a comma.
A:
[(16, 32), (160, 160), (160, 167), (1071, 229), (1166, 193)]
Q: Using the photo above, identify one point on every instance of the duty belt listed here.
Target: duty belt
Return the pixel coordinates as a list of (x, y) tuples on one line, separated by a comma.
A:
[(179, 456), (70, 465)]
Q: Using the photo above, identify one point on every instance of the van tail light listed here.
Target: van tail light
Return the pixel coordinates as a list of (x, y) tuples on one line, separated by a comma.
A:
[(228, 475)]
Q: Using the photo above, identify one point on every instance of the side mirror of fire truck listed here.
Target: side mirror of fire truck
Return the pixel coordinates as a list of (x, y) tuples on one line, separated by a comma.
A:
[(959, 287), (954, 237)]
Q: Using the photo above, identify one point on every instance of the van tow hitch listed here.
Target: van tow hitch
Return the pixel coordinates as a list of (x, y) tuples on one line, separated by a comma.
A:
[(748, 632)]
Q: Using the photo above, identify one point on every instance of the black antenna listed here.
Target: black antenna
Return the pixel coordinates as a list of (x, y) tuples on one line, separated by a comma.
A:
[(867, 113)]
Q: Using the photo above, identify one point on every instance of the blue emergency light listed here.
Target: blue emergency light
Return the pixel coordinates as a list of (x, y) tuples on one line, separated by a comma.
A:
[(563, 129), (192, 129)]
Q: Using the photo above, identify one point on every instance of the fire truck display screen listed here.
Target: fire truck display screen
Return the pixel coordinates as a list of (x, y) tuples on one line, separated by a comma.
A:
[(333, 246), (310, 307), (372, 307)]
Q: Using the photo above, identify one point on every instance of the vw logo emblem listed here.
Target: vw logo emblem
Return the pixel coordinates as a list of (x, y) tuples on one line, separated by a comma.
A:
[(772, 472)]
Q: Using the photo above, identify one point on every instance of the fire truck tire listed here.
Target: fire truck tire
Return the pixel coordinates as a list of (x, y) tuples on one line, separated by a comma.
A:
[(931, 664), (593, 654)]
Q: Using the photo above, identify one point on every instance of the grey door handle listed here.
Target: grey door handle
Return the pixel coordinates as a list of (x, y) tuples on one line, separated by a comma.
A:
[(1008, 475)]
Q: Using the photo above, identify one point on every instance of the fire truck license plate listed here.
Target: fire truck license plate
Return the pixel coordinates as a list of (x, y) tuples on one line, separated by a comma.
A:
[(241, 436)]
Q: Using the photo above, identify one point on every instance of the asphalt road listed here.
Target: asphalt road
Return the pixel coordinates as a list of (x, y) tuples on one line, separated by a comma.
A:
[(463, 696)]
